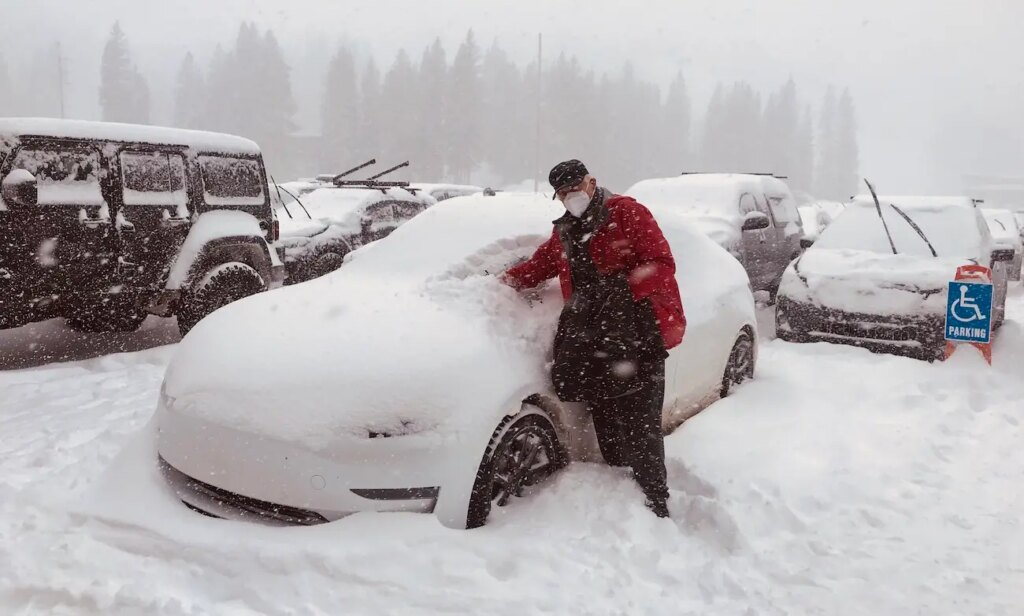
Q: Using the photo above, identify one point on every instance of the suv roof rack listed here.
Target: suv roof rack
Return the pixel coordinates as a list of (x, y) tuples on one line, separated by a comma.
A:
[(371, 182), (764, 173)]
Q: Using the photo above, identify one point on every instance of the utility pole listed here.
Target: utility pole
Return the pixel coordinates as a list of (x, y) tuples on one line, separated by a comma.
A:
[(536, 143), (60, 79)]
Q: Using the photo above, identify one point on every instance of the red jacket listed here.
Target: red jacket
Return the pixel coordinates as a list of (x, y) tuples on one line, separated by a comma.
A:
[(630, 241)]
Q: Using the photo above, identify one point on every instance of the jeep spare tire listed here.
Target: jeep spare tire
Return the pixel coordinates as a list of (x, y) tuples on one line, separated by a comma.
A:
[(223, 284)]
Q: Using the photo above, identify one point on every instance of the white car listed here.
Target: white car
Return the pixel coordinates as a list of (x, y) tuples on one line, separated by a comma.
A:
[(817, 215), (412, 379), (850, 287), (1007, 234), (754, 217)]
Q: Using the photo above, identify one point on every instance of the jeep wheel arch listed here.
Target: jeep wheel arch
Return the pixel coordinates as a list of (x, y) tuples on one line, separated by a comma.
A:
[(219, 237)]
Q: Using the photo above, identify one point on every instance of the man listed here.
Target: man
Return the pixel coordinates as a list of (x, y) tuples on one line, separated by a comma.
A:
[(621, 237)]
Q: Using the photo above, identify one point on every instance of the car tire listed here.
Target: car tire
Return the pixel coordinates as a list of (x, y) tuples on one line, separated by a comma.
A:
[(223, 284), (114, 313), (327, 263), (740, 365), (523, 451)]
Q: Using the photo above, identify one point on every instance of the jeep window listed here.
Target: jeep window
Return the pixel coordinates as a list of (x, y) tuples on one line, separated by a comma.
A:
[(405, 210), (153, 178), (65, 176), (232, 181)]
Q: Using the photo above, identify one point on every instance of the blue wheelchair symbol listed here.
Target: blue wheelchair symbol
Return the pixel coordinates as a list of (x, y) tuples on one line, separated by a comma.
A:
[(969, 312)]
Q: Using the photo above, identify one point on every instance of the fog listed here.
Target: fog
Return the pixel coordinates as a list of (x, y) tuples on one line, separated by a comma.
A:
[(938, 85)]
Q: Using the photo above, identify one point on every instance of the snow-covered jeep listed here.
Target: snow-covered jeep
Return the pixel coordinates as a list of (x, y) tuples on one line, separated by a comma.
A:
[(104, 224)]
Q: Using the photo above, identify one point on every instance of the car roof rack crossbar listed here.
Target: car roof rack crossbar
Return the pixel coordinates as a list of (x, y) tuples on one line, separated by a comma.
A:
[(389, 170), (335, 178)]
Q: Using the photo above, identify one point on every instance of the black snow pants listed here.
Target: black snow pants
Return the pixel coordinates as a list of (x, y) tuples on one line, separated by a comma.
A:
[(629, 430)]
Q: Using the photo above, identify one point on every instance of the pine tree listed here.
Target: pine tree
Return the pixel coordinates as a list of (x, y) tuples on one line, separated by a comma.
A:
[(846, 151), (190, 95), (124, 95), (339, 112), (273, 90), (369, 140), (463, 106), (430, 144), (803, 173), (220, 92), (398, 94), (825, 169), (676, 147)]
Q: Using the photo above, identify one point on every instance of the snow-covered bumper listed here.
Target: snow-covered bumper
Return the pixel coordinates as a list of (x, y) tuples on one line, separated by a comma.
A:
[(919, 336), (233, 474)]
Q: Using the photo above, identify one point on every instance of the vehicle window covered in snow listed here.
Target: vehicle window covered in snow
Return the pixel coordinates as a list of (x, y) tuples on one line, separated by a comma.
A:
[(406, 209), (64, 177), (783, 209), (153, 178), (232, 181), (380, 212), (953, 231)]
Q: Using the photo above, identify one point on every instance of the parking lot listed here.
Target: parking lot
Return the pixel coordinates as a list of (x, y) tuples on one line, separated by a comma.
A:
[(835, 478)]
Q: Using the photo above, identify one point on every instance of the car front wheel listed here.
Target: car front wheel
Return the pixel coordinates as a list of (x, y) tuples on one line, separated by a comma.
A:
[(523, 451)]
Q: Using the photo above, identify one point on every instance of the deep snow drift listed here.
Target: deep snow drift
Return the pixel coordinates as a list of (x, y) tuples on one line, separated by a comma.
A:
[(837, 482)]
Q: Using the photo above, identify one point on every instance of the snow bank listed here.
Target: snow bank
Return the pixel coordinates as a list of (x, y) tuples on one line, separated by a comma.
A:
[(837, 482)]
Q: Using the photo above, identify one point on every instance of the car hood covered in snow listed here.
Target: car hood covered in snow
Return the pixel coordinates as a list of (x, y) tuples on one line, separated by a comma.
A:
[(870, 282), (409, 336)]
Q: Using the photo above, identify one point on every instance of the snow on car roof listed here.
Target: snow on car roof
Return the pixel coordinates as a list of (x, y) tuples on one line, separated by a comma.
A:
[(343, 207), (428, 187), (920, 201), (421, 309), (11, 129)]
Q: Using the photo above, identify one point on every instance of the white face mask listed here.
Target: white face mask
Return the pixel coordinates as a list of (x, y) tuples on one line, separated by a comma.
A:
[(576, 202)]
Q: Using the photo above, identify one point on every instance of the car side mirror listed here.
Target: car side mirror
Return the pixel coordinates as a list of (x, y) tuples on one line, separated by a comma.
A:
[(19, 188), (1002, 254), (755, 221), (806, 242)]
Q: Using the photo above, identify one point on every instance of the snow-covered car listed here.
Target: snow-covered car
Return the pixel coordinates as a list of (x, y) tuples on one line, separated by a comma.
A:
[(441, 192), (850, 287), (754, 217), (1007, 234), (412, 379), (328, 222)]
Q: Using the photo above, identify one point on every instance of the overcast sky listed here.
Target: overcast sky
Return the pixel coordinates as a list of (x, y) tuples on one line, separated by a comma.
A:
[(938, 84)]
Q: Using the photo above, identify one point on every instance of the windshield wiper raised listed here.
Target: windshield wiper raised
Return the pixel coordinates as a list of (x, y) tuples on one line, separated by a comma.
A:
[(913, 225)]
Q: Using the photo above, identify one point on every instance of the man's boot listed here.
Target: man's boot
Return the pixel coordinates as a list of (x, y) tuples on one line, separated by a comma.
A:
[(658, 508)]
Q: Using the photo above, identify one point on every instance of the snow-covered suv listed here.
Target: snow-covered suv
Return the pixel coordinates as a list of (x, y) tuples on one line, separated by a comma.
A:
[(104, 223)]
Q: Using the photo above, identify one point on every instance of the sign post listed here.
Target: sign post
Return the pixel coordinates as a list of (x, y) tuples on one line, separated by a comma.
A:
[(969, 310)]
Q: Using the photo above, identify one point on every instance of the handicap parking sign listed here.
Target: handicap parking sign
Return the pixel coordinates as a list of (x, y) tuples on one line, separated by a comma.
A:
[(969, 312)]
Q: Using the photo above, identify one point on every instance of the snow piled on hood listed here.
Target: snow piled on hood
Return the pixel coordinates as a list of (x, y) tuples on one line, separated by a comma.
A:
[(411, 336)]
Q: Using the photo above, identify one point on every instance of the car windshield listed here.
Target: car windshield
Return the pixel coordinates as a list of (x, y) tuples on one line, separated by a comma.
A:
[(953, 231)]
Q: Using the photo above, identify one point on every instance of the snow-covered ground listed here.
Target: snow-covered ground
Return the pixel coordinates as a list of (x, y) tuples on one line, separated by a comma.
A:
[(837, 482)]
